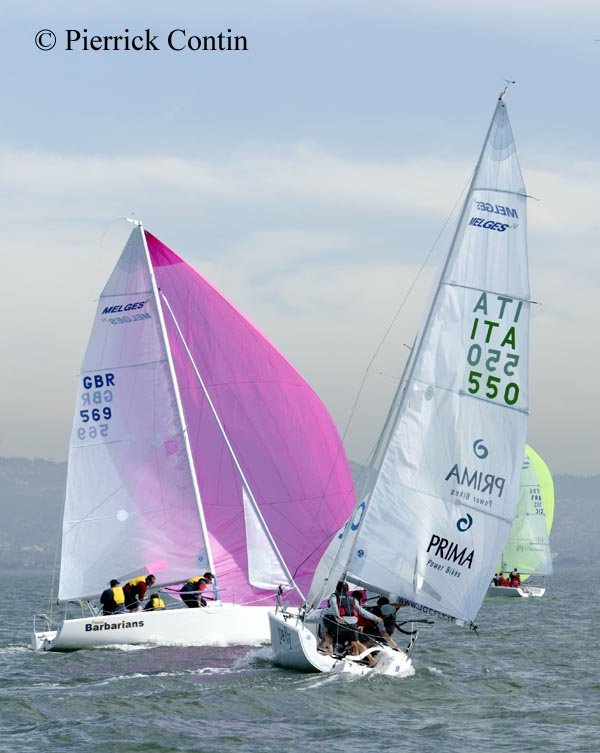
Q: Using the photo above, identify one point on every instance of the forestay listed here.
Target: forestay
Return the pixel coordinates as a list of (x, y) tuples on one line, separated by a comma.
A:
[(441, 508)]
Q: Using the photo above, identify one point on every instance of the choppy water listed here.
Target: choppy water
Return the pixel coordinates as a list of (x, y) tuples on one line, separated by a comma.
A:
[(530, 681)]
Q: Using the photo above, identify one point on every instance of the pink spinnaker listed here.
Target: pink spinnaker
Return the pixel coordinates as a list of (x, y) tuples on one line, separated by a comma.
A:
[(281, 433)]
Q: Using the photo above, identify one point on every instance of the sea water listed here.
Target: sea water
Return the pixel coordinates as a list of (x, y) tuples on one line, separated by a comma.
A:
[(527, 680)]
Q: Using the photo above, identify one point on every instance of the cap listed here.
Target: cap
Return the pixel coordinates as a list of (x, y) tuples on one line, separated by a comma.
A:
[(114, 583)]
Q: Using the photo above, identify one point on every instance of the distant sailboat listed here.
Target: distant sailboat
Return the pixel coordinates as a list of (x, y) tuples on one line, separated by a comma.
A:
[(439, 512), (528, 546), (195, 447)]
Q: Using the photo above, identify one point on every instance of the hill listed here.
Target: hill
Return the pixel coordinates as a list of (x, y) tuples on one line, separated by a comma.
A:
[(32, 493)]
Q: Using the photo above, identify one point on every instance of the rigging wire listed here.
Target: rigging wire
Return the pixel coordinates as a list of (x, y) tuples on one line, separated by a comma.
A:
[(376, 353)]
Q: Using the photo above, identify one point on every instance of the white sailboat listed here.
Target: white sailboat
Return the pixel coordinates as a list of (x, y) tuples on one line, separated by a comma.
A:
[(439, 512), (195, 447), (528, 546)]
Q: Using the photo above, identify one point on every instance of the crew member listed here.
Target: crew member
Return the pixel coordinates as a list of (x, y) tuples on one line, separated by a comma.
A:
[(342, 622), (154, 604), (113, 599), (191, 591), (502, 581), (386, 628), (135, 591)]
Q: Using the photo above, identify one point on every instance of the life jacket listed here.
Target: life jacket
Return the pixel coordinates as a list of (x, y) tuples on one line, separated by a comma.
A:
[(155, 603), (346, 606), (196, 582), (118, 595), (131, 585)]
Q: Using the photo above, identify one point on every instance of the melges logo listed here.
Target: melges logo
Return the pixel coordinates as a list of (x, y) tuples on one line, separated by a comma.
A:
[(488, 224), (126, 307), (485, 206)]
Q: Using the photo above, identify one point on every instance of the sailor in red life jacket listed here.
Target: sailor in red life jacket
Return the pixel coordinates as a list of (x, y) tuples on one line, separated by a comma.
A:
[(502, 580), (515, 579), (135, 591), (341, 624)]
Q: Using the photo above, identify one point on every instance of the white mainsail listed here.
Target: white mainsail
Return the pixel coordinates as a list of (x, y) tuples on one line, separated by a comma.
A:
[(131, 505), (441, 508)]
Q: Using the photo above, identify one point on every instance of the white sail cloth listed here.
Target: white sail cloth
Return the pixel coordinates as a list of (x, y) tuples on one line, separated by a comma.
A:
[(441, 508), (130, 504)]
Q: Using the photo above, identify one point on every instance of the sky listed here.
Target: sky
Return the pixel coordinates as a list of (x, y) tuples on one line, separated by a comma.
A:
[(308, 178)]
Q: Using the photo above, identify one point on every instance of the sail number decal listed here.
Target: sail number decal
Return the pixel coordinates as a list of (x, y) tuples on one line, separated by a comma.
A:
[(95, 413), (492, 352)]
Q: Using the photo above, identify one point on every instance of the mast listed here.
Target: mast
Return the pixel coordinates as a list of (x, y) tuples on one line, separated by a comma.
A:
[(253, 502), (186, 439)]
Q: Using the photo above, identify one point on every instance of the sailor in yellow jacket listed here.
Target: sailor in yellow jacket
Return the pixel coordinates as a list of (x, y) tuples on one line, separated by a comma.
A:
[(135, 591), (154, 604), (113, 599)]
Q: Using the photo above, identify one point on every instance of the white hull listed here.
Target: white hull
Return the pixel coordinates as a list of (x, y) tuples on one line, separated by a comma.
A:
[(295, 647), (534, 591), (523, 592), (218, 625)]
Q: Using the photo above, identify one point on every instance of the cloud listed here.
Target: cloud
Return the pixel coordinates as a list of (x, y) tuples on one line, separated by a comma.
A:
[(318, 247), (301, 171)]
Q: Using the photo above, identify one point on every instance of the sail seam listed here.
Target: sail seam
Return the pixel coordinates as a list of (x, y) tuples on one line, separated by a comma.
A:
[(125, 295), (499, 190), (127, 366), (457, 503), (491, 292), (462, 393)]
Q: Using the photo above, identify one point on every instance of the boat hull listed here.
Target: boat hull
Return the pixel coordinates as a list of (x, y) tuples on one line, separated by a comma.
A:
[(295, 647), (522, 592), (219, 625)]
